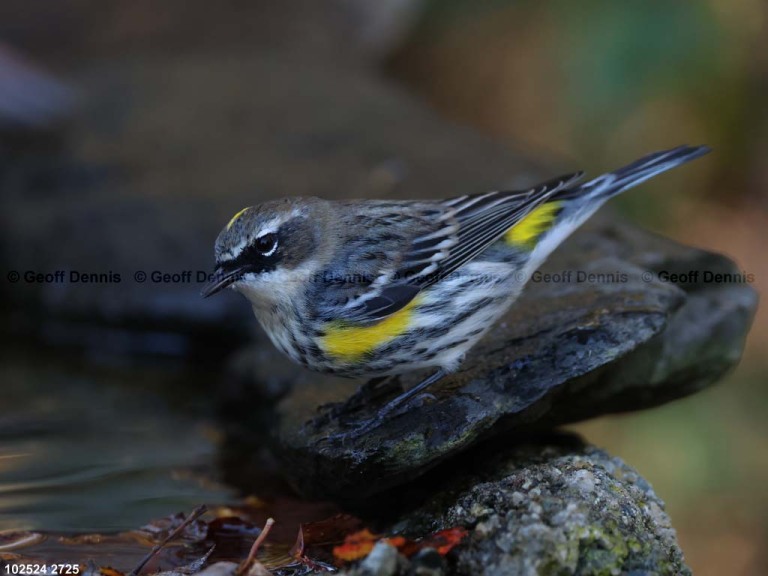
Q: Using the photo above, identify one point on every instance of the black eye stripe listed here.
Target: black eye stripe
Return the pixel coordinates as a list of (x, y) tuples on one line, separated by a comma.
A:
[(260, 255)]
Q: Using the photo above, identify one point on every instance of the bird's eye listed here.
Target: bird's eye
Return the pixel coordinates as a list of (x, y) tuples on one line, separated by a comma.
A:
[(267, 244)]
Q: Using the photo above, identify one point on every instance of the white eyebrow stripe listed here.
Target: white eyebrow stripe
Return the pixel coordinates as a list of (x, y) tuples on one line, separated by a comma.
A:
[(269, 227), (233, 252), (272, 226)]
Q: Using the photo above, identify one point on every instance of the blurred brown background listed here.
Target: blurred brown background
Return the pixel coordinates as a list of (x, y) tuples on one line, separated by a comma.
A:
[(590, 84)]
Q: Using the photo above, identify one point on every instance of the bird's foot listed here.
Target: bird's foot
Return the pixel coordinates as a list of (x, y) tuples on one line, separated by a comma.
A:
[(348, 414), (355, 428), (370, 394)]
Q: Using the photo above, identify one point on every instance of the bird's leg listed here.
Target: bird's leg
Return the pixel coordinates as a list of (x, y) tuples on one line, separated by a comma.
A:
[(366, 395), (358, 427), (399, 401), (372, 390)]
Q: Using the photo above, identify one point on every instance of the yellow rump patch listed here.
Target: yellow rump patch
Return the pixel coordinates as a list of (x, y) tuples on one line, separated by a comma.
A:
[(527, 231), (236, 216), (349, 342)]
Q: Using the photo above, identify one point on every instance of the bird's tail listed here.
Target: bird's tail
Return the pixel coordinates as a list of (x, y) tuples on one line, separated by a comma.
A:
[(613, 183), (552, 222)]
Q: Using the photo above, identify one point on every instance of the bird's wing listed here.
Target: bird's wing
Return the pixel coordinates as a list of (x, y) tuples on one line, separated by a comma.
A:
[(409, 247)]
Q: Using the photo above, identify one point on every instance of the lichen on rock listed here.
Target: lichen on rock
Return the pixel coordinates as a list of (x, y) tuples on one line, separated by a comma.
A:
[(556, 508)]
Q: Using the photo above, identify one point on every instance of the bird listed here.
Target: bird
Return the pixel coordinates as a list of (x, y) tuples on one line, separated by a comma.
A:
[(379, 288)]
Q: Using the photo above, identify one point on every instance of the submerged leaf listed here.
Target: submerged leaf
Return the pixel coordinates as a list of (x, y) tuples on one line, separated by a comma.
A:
[(358, 545)]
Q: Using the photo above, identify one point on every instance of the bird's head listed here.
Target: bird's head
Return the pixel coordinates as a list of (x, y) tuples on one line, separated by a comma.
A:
[(266, 251)]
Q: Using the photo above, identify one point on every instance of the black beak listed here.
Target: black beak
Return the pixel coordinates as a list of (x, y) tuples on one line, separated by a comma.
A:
[(221, 280)]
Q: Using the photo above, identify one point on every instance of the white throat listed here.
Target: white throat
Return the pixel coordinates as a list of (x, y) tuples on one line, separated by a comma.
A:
[(280, 288)]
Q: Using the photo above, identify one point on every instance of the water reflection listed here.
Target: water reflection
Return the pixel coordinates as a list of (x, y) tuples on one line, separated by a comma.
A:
[(85, 452)]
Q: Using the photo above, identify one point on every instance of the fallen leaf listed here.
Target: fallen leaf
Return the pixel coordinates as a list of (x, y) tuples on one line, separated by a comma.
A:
[(358, 545), (443, 541)]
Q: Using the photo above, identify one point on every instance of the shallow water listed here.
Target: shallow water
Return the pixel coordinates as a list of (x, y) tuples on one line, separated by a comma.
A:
[(92, 450)]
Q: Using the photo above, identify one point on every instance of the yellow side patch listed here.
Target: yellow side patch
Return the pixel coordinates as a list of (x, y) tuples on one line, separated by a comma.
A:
[(236, 216), (526, 232), (349, 342)]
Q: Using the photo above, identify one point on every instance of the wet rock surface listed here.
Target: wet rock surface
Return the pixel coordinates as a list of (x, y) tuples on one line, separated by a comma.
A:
[(623, 340)]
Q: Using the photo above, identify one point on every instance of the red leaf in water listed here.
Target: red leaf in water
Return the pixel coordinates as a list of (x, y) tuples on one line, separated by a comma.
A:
[(356, 546), (445, 540)]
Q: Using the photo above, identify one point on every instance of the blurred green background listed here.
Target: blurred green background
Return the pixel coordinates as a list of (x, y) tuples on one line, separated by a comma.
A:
[(599, 82)]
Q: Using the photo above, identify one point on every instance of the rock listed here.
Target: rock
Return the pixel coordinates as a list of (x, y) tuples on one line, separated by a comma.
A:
[(427, 562), (553, 507), (549, 505), (570, 349), (382, 561)]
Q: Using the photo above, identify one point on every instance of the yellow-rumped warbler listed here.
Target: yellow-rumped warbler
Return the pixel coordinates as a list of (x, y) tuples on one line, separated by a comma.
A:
[(365, 288)]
